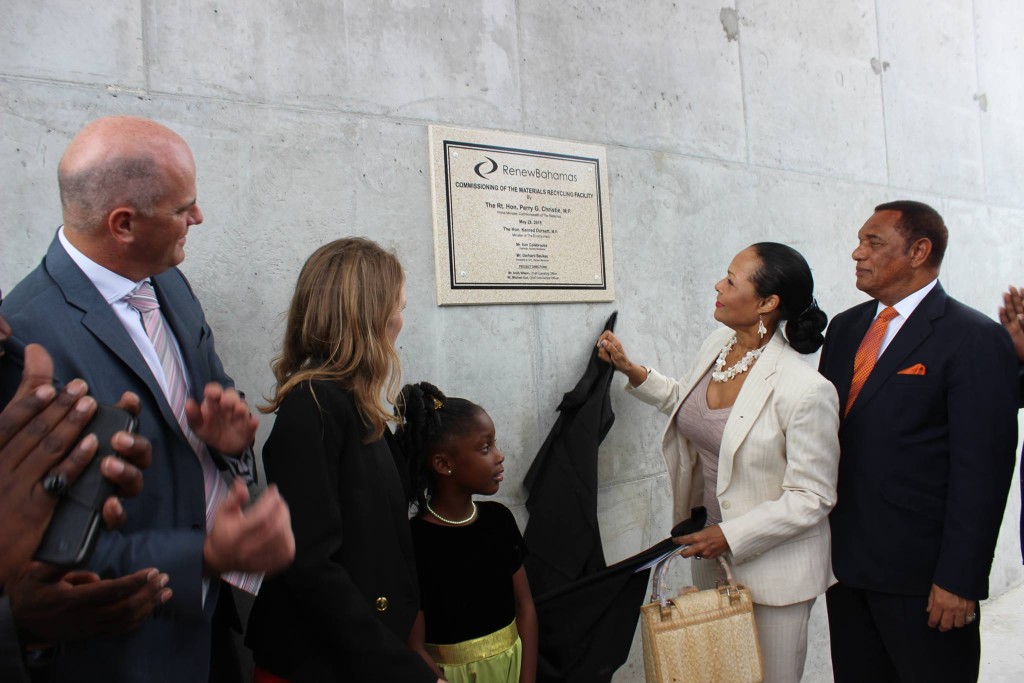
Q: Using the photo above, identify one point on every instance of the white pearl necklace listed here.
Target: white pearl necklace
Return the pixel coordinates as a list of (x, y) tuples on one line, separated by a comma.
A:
[(453, 522), (741, 366)]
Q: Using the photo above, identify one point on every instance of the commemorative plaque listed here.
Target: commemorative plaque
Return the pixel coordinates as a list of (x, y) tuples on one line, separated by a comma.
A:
[(519, 219)]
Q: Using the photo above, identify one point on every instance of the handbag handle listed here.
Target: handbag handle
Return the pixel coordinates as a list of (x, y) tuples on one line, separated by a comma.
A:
[(661, 569)]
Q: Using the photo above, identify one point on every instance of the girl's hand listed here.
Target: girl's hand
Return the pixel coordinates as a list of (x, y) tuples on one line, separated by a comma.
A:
[(415, 643), (707, 543)]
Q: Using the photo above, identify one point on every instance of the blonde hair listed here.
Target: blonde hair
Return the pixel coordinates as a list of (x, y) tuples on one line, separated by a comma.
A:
[(337, 328)]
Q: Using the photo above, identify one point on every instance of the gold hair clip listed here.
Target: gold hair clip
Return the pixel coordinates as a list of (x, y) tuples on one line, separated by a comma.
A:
[(438, 405)]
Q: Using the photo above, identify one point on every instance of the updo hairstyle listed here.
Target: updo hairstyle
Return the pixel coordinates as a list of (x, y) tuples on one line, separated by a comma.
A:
[(785, 273)]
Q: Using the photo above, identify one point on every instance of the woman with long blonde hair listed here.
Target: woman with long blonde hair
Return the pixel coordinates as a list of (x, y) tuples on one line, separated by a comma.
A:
[(344, 609)]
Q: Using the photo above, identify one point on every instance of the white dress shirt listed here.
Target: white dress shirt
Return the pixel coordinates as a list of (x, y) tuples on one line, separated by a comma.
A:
[(114, 288), (904, 307)]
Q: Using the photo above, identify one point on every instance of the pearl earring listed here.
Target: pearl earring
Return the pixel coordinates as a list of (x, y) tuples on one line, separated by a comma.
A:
[(761, 329)]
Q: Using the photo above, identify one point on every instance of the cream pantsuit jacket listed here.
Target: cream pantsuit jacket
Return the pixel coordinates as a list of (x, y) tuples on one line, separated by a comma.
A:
[(777, 469)]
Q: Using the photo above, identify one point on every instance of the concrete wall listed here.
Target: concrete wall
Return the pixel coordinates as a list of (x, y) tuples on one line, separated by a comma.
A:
[(724, 125)]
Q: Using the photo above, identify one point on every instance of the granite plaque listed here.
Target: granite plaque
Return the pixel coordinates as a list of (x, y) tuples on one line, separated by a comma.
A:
[(519, 219)]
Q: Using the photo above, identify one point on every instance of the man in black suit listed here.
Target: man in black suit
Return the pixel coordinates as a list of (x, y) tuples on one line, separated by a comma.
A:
[(928, 438)]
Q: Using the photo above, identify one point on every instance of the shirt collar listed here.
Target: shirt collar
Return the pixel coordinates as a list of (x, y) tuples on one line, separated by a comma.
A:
[(909, 303), (112, 287)]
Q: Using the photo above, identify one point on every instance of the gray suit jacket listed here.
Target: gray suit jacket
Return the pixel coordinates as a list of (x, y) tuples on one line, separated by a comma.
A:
[(57, 306), (777, 469)]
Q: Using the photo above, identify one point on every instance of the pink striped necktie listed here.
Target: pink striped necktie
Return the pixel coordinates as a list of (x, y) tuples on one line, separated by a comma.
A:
[(144, 301)]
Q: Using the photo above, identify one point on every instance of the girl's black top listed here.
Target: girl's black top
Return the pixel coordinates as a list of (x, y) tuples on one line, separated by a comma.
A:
[(465, 574)]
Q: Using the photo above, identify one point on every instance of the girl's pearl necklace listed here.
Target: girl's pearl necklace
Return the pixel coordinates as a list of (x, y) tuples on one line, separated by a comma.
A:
[(453, 522), (741, 366)]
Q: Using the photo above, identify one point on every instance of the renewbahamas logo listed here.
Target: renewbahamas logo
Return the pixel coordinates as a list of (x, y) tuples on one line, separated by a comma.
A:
[(489, 171)]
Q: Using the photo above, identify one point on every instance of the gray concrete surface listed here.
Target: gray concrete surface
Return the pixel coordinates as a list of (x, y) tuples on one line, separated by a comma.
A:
[(725, 124), (1002, 638)]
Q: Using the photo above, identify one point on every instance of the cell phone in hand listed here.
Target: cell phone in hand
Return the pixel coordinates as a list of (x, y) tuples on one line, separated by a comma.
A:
[(71, 536)]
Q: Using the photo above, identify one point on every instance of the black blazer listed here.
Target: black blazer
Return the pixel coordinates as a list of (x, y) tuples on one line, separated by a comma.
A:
[(926, 460), (345, 607)]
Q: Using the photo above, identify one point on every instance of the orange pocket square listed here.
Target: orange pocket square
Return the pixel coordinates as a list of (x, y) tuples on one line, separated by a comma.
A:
[(913, 370)]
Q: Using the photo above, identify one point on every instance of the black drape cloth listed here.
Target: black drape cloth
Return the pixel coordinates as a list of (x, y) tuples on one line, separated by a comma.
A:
[(562, 535), (587, 612), (587, 626)]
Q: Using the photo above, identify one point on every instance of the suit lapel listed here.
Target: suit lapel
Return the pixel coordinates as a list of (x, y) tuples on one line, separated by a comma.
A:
[(914, 331), (703, 362), (749, 403), (99, 318)]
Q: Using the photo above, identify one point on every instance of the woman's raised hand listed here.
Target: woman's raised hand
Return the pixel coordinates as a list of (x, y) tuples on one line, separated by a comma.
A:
[(609, 349)]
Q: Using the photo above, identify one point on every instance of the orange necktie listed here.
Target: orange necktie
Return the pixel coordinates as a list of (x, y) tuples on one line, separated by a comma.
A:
[(867, 354)]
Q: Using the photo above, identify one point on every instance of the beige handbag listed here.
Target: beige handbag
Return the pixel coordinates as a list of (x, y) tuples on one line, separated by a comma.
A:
[(700, 636)]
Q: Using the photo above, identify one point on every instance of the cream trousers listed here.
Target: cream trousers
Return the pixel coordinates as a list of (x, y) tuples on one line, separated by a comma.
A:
[(781, 631)]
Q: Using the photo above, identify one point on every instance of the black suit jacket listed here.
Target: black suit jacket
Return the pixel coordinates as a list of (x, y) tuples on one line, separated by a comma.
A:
[(343, 610), (926, 460)]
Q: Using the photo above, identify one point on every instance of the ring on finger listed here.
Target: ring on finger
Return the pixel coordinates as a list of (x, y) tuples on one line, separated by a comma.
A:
[(971, 617), (56, 485)]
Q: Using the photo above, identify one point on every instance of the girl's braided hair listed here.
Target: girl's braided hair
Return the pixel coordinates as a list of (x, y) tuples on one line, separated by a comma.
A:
[(429, 420)]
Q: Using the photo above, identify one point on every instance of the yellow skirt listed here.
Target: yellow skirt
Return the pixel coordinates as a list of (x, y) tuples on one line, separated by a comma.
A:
[(494, 658)]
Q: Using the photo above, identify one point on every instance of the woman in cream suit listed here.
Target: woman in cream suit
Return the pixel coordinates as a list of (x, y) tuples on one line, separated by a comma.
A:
[(753, 437)]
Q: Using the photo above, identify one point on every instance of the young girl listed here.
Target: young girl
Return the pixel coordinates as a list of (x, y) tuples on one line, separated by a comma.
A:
[(478, 618)]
